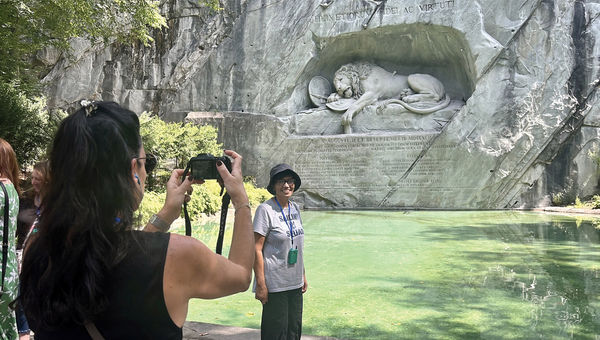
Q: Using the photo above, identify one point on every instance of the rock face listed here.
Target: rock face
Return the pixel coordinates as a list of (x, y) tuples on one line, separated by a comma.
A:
[(521, 77)]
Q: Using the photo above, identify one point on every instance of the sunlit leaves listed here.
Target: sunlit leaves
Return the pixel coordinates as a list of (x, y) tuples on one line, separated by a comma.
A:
[(28, 26)]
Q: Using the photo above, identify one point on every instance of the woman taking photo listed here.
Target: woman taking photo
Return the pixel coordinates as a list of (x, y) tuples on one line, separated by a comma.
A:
[(279, 266), (9, 209), (87, 272)]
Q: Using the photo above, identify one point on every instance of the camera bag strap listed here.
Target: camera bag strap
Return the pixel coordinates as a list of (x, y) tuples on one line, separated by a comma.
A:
[(224, 206), (4, 235), (188, 224)]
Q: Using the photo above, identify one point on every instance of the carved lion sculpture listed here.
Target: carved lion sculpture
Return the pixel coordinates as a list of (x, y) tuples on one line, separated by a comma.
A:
[(369, 83)]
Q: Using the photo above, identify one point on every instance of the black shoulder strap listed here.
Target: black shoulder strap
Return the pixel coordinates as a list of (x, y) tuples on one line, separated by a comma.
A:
[(4, 235), (224, 206)]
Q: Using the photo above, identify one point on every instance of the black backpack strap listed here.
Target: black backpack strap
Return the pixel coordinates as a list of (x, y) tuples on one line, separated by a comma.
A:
[(4, 235)]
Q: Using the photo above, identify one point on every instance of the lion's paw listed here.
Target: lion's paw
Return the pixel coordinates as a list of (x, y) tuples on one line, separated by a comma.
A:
[(334, 97), (411, 99), (347, 118)]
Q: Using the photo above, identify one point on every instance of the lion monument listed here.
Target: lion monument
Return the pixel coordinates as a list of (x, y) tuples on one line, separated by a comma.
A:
[(360, 84)]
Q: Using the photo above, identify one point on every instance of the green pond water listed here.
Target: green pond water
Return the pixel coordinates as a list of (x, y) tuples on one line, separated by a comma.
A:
[(438, 275)]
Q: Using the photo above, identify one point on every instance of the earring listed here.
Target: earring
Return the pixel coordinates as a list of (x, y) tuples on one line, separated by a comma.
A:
[(137, 178)]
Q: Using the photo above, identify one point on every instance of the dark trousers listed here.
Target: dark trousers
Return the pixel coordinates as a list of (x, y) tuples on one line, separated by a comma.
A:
[(282, 316)]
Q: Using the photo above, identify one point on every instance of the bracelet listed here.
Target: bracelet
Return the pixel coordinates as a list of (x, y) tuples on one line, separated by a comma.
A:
[(245, 205), (159, 223)]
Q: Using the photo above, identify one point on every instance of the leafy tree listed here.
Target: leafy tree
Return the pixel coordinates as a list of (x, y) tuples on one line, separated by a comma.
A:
[(28, 26), (26, 125)]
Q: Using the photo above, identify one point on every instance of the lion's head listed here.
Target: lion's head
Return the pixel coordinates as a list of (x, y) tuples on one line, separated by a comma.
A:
[(347, 79)]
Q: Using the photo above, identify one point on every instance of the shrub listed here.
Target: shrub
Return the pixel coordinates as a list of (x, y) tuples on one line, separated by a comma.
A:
[(578, 203), (26, 125), (595, 202), (256, 195), (205, 199), (151, 204), (558, 199)]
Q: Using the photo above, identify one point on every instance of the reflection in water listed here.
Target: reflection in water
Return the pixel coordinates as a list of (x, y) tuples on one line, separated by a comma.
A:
[(562, 252), (543, 300)]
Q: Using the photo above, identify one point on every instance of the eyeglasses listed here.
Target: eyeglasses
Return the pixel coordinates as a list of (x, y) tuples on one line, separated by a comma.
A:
[(150, 163), (289, 181)]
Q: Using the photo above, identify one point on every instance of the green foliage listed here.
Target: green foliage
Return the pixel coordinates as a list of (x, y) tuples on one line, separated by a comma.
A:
[(26, 124), (151, 204), (174, 144), (28, 26), (595, 202), (565, 197), (256, 195), (578, 203), (558, 199), (213, 4), (205, 199)]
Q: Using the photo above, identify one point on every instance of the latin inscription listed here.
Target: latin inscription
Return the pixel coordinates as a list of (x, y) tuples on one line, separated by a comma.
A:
[(362, 14), (371, 162)]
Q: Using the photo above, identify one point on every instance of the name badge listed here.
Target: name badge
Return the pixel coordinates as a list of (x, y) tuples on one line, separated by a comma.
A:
[(293, 256)]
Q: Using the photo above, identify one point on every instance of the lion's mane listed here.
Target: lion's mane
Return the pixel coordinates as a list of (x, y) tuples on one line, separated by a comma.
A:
[(356, 72)]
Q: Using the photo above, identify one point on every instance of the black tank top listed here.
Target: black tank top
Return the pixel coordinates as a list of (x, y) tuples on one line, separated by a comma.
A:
[(137, 309)]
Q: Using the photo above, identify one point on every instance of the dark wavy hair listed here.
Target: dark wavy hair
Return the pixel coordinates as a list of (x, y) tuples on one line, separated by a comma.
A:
[(87, 218)]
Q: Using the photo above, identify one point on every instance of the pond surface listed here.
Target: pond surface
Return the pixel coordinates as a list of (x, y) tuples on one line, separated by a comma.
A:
[(438, 275)]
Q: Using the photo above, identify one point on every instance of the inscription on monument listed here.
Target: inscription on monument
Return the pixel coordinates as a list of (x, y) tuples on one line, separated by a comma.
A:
[(367, 163), (351, 16)]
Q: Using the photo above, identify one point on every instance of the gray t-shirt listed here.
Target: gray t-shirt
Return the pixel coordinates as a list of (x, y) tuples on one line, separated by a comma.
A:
[(268, 221)]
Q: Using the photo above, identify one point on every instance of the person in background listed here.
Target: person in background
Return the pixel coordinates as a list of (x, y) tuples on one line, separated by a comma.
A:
[(280, 278), (9, 192), (87, 272), (29, 212), (39, 181), (31, 204)]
